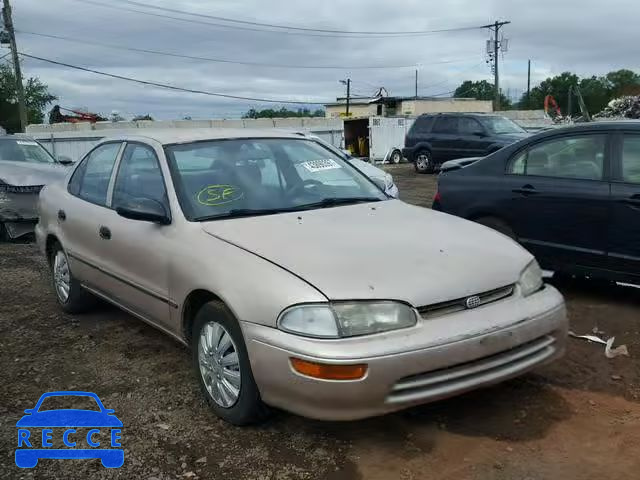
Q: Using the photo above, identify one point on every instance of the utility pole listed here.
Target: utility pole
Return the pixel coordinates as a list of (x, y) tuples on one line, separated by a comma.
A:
[(416, 96), (495, 28), (8, 25), (347, 82), (528, 83)]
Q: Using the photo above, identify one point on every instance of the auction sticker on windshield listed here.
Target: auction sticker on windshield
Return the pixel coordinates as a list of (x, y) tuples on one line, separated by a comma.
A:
[(319, 165)]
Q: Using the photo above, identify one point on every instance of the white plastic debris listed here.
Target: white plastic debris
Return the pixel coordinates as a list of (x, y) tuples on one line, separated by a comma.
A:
[(609, 351)]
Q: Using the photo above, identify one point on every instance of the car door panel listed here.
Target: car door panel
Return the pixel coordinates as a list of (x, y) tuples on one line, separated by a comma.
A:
[(624, 228), (445, 139), (473, 138), (561, 220), (139, 252)]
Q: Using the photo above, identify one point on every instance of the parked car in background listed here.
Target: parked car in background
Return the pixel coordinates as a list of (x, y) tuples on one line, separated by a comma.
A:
[(436, 138), (571, 196), (292, 276), (25, 167), (383, 179)]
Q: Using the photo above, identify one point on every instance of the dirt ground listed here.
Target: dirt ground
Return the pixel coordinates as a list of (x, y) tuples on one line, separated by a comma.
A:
[(576, 419)]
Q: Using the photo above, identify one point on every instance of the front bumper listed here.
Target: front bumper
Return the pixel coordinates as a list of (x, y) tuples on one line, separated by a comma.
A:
[(18, 211), (438, 358)]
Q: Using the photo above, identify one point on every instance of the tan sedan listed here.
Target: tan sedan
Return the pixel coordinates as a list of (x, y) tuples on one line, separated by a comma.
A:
[(294, 278)]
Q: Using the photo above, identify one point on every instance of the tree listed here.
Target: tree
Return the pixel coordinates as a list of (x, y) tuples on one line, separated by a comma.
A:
[(283, 113), (37, 97), (480, 90), (623, 82)]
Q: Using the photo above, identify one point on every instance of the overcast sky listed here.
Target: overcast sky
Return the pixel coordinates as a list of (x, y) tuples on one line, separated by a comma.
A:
[(584, 36)]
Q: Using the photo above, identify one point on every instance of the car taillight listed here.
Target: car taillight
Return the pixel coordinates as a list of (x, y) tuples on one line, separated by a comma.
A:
[(437, 197)]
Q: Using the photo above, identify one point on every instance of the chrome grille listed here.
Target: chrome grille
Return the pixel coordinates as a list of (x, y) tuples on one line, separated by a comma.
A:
[(451, 306)]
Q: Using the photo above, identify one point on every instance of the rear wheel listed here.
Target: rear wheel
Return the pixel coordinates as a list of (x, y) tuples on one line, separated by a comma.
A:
[(222, 366), (423, 162), (395, 157), (69, 293), (497, 225)]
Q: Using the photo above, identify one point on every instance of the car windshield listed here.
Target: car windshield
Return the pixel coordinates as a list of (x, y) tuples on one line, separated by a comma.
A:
[(23, 150), (501, 125), (66, 402), (261, 176)]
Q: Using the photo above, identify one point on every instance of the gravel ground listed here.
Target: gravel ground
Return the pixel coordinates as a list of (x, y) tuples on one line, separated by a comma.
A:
[(578, 418)]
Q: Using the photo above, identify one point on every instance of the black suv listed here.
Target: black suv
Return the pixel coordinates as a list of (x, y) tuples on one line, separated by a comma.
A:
[(435, 138)]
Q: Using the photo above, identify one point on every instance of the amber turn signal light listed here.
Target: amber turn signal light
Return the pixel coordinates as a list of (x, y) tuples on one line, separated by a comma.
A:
[(329, 372)]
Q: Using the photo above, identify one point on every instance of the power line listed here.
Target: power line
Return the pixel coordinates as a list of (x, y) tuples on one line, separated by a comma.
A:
[(290, 27), (346, 34), (221, 60), (171, 87)]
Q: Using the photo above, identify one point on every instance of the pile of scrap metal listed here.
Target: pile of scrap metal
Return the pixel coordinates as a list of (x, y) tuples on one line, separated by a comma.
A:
[(56, 116), (25, 167), (623, 107)]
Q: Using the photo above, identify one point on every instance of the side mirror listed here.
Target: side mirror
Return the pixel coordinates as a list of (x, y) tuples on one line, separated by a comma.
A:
[(143, 209), (479, 133), (64, 160)]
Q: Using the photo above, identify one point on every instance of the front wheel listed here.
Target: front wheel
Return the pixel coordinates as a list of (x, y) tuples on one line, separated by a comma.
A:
[(423, 162), (222, 366)]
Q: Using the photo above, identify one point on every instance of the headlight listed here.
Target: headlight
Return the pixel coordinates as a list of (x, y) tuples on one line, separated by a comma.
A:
[(530, 279), (388, 181), (346, 319)]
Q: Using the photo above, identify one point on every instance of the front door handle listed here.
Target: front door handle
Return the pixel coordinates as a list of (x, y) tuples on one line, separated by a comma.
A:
[(526, 190), (105, 233), (62, 216)]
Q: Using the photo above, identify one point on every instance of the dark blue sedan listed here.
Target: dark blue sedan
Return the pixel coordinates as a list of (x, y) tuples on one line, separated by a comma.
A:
[(569, 195)]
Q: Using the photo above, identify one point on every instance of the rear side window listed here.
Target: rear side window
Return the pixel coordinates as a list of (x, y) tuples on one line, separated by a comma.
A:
[(446, 125), (91, 180), (422, 124), (580, 157), (631, 159)]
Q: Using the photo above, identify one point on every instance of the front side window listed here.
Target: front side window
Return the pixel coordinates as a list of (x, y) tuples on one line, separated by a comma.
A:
[(580, 157), (256, 176), (24, 150), (447, 125), (501, 125), (139, 176), (469, 126), (95, 172), (631, 159)]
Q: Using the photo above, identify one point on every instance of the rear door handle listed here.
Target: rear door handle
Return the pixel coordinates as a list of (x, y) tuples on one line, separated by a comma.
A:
[(105, 233), (526, 190), (62, 216)]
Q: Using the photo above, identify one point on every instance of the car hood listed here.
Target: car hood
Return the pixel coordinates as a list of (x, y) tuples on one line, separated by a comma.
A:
[(69, 418), (30, 174), (382, 250), (368, 169)]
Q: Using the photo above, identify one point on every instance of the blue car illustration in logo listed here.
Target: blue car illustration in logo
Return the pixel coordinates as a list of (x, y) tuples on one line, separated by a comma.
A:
[(31, 448)]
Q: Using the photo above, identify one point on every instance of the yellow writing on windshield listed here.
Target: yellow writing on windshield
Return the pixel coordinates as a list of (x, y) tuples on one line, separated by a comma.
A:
[(215, 195)]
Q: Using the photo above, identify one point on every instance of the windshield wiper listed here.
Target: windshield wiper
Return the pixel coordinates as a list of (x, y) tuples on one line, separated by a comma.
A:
[(335, 201), (246, 212)]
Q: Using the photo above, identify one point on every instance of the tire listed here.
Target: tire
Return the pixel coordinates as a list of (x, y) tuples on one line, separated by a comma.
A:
[(70, 295), (225, 380), (423, 162), (497, 225), (4, 236), (395, 157)]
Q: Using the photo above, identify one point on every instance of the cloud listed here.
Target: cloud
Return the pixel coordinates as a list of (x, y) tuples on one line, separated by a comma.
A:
[(588, 37)]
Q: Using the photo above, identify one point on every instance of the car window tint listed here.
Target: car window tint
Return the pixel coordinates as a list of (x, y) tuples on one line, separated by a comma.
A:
[(422, 125), (580, 157), (446, 125), (468, 126), (97, 173), (631, 159), (139, 176)]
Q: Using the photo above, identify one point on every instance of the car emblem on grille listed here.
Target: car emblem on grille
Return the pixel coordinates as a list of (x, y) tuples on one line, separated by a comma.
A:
[(472, 302)]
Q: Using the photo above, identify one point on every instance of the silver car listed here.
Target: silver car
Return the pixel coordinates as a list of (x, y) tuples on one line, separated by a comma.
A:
[(25, 167), (296, 281)]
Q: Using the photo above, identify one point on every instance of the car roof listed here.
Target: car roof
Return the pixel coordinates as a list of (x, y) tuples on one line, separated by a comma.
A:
[(168, 136)]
